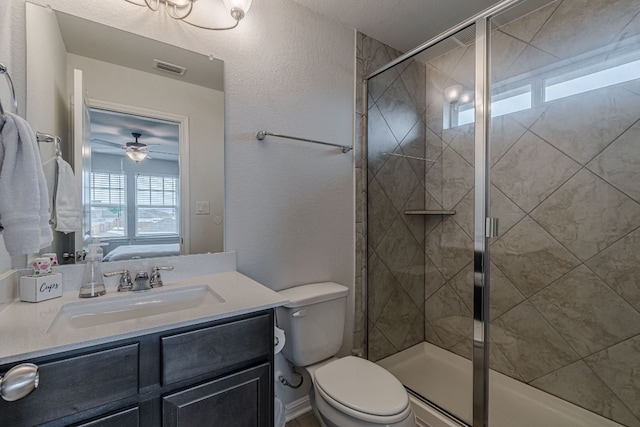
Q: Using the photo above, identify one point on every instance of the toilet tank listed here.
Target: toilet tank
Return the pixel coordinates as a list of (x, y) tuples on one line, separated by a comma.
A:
[(313, 321)]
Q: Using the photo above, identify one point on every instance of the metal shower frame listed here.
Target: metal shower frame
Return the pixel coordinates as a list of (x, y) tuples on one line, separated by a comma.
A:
[(485, 227)]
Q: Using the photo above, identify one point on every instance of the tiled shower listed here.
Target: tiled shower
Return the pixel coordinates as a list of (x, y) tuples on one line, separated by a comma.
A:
[(565, 185)]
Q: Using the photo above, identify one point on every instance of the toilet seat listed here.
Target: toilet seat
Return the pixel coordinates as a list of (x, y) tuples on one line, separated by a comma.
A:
[(363, 390)]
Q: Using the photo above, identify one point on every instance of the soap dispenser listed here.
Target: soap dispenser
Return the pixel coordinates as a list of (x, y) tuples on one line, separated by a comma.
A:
[(92, 283)]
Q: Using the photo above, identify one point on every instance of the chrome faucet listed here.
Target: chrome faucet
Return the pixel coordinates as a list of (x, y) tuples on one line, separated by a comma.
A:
[(156, 280), (125, 280), (141, 281)]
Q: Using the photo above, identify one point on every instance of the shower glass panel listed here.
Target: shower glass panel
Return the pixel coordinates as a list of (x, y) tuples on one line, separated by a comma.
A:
[(420, 220), (565, 175)]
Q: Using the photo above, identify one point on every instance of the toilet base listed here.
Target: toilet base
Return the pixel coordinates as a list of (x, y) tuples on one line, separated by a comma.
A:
[(331, 417)]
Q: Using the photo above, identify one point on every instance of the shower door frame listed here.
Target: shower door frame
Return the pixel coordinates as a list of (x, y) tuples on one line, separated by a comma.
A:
[(485, 227)]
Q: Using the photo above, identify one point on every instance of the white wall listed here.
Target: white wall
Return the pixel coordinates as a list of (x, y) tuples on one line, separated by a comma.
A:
[(289, 205)]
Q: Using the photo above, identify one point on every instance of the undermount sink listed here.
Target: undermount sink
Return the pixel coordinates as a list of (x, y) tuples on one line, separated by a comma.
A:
[(84, 314)]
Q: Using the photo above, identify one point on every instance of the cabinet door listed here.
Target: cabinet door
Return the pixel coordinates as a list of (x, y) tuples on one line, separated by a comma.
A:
[(238, 400)]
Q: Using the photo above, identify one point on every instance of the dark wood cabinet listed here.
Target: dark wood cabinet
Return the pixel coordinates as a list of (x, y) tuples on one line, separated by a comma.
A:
[(213, 374), (237, 400), (127, 418)]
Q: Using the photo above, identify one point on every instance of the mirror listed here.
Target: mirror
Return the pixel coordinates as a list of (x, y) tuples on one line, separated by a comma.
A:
[(170, 202)]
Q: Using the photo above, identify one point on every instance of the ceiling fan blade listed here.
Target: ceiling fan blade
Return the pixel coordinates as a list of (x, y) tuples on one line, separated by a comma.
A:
[(104, 141), (163, 152)]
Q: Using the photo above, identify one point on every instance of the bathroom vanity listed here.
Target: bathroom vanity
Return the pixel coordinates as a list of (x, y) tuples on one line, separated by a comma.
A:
[(193, 365), (180, 377)]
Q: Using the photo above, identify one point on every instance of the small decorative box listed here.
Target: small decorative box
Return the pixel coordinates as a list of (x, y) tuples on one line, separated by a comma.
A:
[(41, 288)]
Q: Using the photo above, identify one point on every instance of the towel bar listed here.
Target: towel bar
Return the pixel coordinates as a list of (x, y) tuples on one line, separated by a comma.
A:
[(261, 134), (3, 70)]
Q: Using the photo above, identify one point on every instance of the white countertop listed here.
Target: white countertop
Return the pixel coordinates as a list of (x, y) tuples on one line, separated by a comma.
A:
[(24, 326)]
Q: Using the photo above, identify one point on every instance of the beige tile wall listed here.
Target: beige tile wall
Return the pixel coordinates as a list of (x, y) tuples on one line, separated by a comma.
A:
[(393, 184), (565, 271)]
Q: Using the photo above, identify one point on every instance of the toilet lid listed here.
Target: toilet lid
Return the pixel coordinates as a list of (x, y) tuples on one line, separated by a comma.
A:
[(362, 386)]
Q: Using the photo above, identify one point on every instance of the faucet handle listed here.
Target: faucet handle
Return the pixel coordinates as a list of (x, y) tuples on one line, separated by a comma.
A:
[(156, 280), (125, 279)]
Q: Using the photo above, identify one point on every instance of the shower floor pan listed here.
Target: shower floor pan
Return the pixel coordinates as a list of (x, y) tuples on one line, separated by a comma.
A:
[(445, 378)]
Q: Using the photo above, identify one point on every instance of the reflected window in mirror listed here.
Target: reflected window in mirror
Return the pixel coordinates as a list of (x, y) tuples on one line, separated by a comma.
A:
[(134, 199)]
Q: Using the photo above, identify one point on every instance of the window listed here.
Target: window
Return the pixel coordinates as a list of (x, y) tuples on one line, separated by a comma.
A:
[(597, 70), (156, 205), (590, 79), (506, 102), (108, 204)]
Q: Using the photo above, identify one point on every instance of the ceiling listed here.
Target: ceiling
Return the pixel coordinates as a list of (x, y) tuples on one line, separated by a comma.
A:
[(402, 24), (93, 40), (110, 132)]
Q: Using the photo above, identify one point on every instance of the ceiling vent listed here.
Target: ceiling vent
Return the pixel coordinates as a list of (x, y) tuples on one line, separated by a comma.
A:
[(169, 68), (465, 36)]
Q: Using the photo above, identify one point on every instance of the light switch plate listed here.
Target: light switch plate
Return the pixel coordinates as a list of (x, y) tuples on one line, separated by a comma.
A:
[(202, 208)]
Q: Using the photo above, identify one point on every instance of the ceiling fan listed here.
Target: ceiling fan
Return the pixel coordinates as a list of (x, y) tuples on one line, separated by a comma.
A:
[(135, 150)]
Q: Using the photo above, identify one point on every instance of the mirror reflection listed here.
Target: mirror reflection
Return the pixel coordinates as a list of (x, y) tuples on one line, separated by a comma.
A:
[(134, 185), (141, 106)]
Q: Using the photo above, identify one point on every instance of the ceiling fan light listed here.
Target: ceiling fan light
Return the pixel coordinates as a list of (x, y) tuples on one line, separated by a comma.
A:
[(136, 155), (238, 8)]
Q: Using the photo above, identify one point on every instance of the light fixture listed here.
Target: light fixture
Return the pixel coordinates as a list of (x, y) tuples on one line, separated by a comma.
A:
[(181, 9), (466, 97), (136, 155), (452, 93)]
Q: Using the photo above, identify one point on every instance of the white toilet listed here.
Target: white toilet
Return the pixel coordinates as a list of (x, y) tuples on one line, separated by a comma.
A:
[(347, 392)]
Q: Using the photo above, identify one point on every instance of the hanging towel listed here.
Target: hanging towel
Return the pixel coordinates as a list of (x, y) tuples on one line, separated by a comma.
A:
[(24, 201), (64, 202)]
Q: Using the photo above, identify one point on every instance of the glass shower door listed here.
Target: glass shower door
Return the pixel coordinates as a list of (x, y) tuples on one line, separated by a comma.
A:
[(420, 179), (565, 175)]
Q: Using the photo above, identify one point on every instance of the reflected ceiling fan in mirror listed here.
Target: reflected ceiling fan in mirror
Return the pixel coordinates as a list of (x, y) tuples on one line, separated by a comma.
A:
[(139, 137), (136, 151)]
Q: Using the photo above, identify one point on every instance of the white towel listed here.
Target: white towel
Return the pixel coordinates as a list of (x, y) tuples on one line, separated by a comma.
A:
[(66, 212), (24, 201)]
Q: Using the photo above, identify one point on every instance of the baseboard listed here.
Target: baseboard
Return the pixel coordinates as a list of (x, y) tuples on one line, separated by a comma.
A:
[(297, 408)]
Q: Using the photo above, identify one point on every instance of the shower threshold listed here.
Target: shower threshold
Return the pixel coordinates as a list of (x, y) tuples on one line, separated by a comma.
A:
[(444, 378)]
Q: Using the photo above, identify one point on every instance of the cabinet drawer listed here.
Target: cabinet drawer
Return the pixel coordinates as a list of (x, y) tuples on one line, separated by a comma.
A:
[(127, 418), (76, 384), (195, 353)]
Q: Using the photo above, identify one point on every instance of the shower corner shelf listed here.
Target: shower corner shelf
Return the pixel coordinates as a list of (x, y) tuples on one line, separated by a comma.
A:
[(429, 212)]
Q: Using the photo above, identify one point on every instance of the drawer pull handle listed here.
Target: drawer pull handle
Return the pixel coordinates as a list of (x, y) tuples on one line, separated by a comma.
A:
[(19, 381), (300, 313)]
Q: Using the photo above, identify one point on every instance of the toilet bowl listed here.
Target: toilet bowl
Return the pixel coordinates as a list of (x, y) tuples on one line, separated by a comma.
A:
[(346, 392), (353, 392)]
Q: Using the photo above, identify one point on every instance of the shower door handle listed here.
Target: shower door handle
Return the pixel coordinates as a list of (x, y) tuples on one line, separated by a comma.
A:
[(491, 228)]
